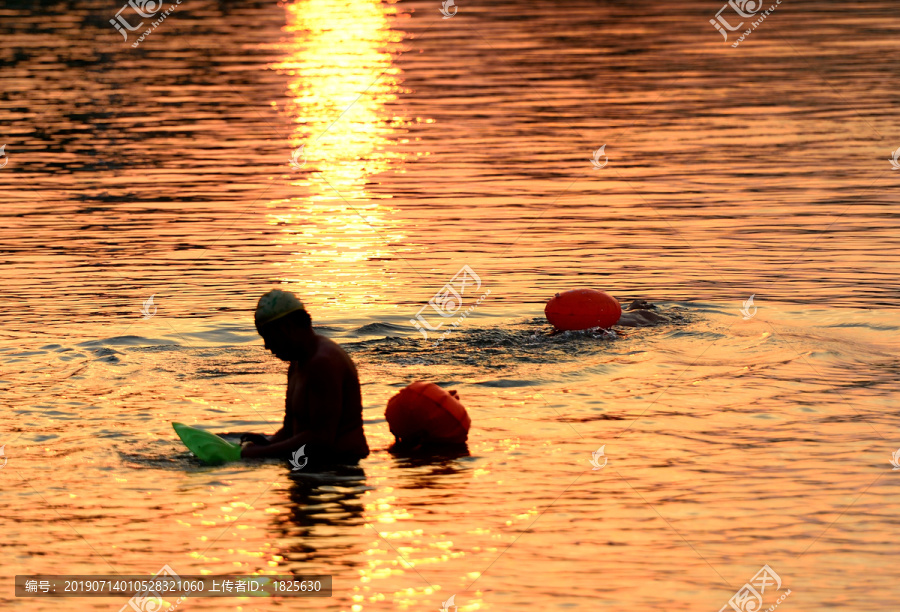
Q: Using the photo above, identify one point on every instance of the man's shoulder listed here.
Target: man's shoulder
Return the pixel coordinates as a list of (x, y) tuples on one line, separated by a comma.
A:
[(329, 349), (330, 357)]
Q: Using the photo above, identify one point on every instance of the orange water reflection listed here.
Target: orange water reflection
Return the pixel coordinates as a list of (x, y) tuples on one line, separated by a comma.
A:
[(341, 84), (341, 81)]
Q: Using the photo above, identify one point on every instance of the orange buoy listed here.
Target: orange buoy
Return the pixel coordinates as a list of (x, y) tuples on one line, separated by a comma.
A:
[(427, 412), (582, 309)]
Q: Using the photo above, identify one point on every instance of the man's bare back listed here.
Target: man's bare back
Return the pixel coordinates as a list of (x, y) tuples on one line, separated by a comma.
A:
[(323, 403), (323, 396)]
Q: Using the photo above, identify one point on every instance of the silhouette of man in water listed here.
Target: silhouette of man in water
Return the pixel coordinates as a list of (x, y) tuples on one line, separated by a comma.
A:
[(323, 405)]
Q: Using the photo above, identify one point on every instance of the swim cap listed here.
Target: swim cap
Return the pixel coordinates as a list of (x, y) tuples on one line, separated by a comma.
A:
[(274, 305)]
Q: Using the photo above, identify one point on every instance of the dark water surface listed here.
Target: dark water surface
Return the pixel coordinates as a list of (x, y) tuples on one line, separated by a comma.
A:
[(430, 144)]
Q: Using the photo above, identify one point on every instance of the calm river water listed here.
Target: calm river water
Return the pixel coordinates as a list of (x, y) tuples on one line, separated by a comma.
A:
[(430, 144)]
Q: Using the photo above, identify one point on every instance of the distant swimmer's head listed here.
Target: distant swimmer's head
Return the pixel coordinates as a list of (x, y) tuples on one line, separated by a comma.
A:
[(286, 327)]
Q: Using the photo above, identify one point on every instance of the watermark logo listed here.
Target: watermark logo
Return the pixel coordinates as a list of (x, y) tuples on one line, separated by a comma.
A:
[(152, 601), (740, 10), (595, 459), (295, 459), (445, 606), (447, 302), (895, 458), (746, 309), (6, 157), (145, 309), (445, 9), (4, 459), (749, 597), (296, 164), (894, 161), (144, 8), (595, 161)]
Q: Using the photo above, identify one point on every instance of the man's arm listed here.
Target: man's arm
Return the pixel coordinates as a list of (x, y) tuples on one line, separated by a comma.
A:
[(323, 396), (255, 451), (280, 435), (283, 433)]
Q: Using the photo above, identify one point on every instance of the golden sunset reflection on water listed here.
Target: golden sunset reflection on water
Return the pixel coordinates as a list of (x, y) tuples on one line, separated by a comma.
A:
[(340, 77), (429, 144)]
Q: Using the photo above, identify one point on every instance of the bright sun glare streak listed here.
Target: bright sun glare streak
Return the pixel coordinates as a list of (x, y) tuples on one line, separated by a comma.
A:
[(341, 76)]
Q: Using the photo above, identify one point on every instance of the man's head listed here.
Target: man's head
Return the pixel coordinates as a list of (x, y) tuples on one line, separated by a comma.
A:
[(286, 327)]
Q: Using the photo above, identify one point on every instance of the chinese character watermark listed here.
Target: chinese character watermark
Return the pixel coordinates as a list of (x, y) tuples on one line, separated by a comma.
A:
[(447, 302), (145, 9), (741, 9), (749, 598)]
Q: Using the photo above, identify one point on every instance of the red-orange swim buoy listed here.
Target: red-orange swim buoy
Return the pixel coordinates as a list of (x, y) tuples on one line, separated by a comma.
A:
[(426, 410), (582, 309)]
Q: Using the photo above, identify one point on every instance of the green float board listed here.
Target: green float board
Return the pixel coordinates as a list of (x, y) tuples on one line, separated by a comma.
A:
[(208, 447)]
